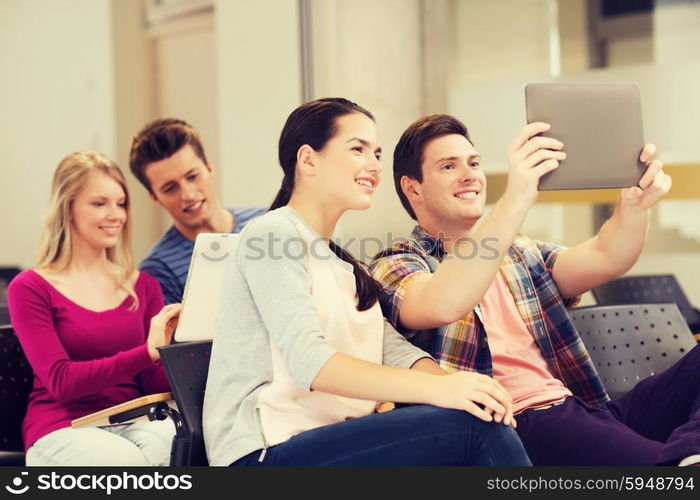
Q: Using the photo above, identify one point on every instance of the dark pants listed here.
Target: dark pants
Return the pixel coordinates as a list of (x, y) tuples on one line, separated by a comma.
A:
[(412, 435), (656, 423)]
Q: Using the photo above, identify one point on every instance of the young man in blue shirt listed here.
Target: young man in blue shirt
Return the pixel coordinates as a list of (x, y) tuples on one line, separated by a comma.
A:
[(168, 158)]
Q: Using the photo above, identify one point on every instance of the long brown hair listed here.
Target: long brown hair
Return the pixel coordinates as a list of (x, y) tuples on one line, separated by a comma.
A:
[(315, 123)]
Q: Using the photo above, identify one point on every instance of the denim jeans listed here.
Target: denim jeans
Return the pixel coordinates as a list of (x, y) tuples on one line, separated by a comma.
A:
[(416, 435), (140, 443)]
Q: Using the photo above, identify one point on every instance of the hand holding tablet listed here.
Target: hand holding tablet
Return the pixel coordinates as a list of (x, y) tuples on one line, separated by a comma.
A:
[(653, 185)]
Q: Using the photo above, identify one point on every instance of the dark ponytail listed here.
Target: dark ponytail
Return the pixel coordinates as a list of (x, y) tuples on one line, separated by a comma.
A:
[(367, 288), (284, 194), (315, 123)]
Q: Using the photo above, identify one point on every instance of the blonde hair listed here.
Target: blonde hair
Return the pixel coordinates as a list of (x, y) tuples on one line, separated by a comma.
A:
[(71, 177)]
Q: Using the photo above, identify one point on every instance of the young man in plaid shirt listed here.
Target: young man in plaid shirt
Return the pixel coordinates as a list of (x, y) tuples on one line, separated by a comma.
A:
[(488, 299)]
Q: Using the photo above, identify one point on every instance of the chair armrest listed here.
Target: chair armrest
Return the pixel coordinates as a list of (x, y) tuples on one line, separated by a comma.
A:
[(121, 412)]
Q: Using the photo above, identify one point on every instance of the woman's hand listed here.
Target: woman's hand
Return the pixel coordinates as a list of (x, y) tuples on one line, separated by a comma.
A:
[(162, 327), (468, 390)]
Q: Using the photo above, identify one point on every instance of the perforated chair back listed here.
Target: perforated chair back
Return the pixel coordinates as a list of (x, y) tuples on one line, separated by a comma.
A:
[(16, 382), (4, 314), (187, 367), (662, 288), (628, 343)]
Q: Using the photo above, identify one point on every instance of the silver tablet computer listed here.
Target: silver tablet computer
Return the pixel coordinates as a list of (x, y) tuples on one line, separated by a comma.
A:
[(600, 125), (203, 289)]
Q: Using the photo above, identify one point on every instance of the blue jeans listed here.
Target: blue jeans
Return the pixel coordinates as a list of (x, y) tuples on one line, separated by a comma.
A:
[(417, 435)]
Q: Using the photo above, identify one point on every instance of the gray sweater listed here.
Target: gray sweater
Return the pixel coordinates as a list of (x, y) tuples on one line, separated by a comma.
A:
[(266, 302)]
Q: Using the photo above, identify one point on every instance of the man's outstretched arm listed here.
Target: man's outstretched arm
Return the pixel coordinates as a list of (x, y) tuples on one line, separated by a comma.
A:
[(456, 287), (620, 241)]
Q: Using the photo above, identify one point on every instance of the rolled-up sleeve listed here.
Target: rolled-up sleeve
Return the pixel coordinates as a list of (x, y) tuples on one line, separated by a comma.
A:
[(550, 253), (395, 270)]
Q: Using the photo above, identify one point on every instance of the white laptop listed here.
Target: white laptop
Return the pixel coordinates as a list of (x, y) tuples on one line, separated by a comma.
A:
[(201, 300)]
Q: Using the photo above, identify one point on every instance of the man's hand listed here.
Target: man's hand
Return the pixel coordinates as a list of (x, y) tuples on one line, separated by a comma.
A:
[(653, 185), (530, 156)]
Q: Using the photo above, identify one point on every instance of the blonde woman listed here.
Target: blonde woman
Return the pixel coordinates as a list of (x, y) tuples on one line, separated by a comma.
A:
[(89, 324)]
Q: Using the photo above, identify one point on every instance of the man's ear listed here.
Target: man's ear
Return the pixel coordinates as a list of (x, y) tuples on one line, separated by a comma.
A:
[(305, 160), (411, 188), (153, 198), (209, 166)]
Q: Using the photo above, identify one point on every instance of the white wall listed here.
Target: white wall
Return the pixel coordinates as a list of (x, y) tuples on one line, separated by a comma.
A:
[(259, 84), (56, 96), (185, 81), (495, 40), (371, 52), (134, 106), (573, 35), (676, 33)]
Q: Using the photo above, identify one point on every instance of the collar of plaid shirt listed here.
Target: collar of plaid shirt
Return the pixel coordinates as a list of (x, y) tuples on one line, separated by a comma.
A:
[(527, 270)]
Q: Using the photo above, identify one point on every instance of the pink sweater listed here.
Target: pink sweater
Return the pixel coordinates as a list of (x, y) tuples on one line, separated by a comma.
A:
[(83, 361)]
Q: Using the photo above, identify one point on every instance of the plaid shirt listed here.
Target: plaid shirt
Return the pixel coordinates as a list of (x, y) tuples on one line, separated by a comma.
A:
[(527, 268)]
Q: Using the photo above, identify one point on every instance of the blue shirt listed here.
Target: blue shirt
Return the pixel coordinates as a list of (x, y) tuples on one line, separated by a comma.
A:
[(169, 259)]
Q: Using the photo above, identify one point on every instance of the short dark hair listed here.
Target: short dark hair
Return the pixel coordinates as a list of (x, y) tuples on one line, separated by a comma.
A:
[(158, 140), (408, 153)]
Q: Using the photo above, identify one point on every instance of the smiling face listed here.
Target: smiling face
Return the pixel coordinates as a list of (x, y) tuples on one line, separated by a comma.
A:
[(348, 168), (98, 212), (453, 191), (183, 185)]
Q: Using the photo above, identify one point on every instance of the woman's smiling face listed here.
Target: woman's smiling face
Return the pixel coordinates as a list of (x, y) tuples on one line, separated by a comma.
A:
[(349, 168)]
